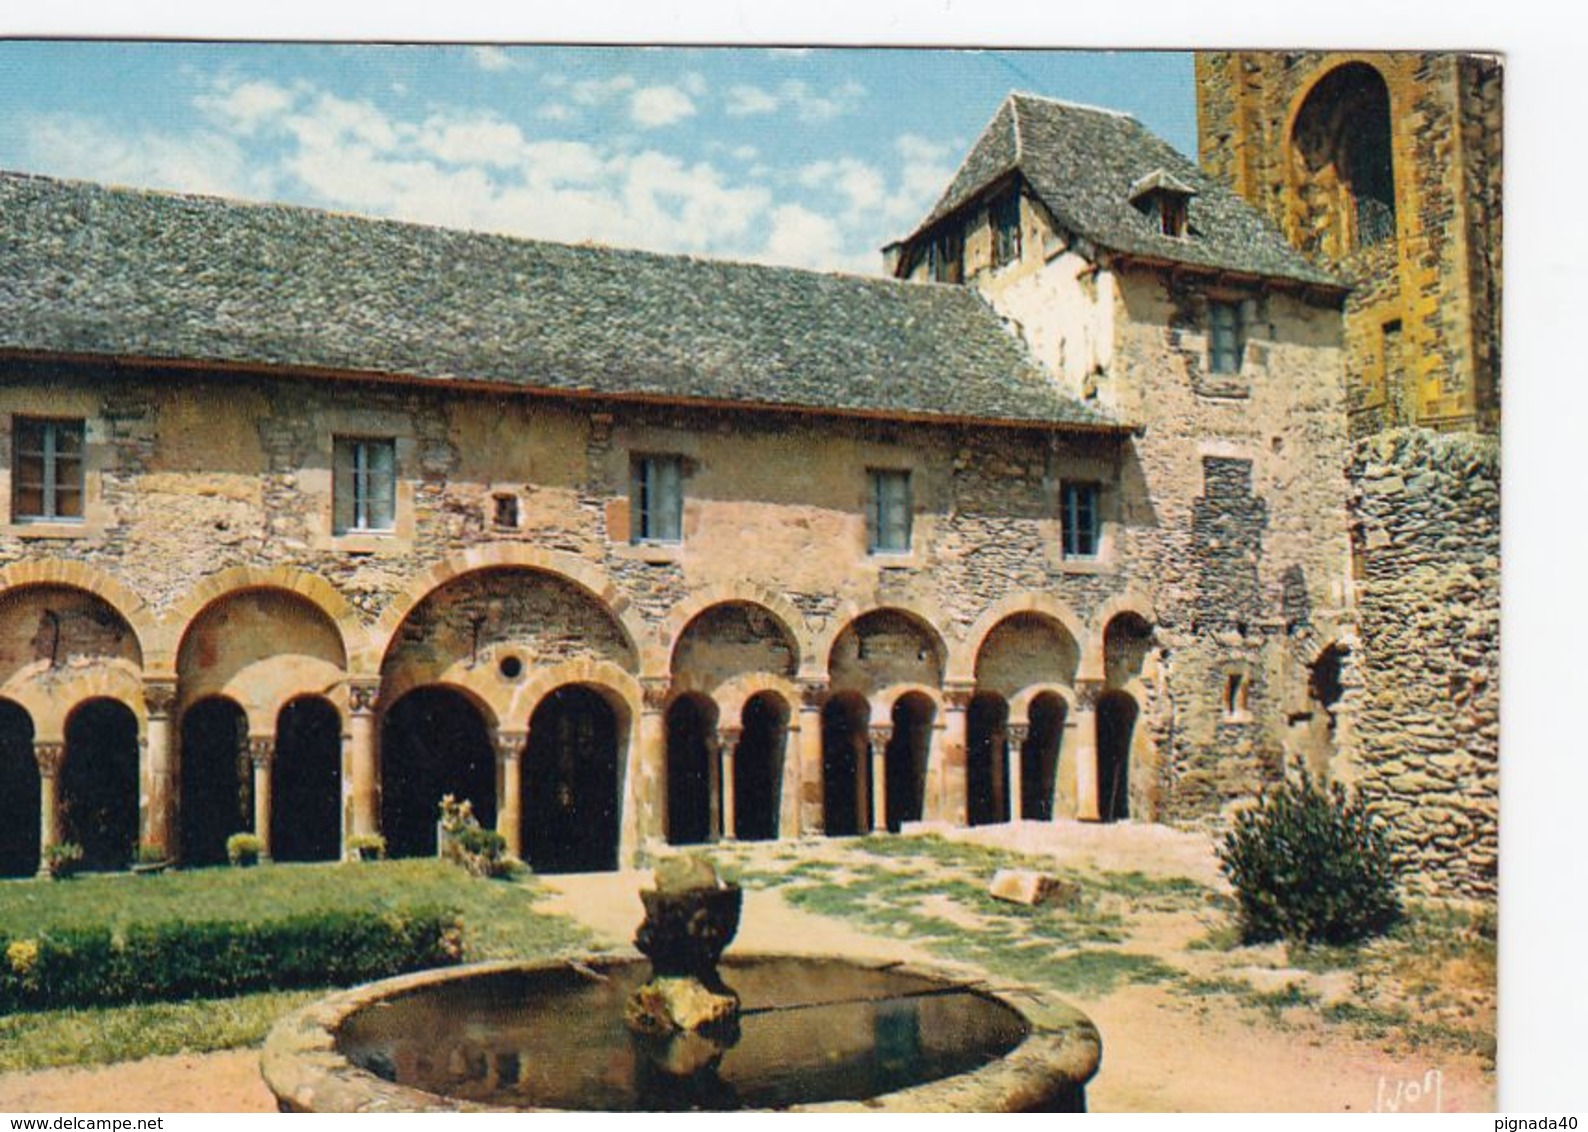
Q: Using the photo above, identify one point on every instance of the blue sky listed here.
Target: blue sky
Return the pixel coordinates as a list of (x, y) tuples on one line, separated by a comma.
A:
[(813, 158)]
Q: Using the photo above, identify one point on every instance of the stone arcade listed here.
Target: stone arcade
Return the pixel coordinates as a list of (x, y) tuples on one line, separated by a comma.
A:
[(311, 519)]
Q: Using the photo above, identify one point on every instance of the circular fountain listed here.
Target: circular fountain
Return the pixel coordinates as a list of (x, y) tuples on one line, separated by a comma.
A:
[(685, 1029)]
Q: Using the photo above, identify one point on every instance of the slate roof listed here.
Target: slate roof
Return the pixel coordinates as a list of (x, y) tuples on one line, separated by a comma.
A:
[(1082, 162), (91, 270)]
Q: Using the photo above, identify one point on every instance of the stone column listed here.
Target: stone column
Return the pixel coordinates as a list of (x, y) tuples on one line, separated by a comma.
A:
[(728, 748), (956, 790), (50, 757), (158, 699), (1015, 736), (813, 694), (510, 746), (361, 699), (1086, 693), (262, 752), (881, 735), (651, 792)]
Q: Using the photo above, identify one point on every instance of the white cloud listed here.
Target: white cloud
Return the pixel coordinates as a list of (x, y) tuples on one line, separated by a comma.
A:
[(463, 141), (65, 145), (489, 58), (802, 238), (554, 112), (245, 105), (745, 100), (862, 186), (694, 83), (655, 106), (594, 92)]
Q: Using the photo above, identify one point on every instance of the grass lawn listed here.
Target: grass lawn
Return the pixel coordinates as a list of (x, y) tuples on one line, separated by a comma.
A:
[(499, 918)]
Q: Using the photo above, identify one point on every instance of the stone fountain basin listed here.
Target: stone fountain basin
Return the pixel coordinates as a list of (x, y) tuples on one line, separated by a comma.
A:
[(469, 1030)]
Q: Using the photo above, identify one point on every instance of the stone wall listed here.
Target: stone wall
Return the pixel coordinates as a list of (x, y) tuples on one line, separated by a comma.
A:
[(1431, 292), (1427, 538)]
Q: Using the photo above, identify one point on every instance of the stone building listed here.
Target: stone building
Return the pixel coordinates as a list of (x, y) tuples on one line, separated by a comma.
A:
[(1385, 165), (310, 519)]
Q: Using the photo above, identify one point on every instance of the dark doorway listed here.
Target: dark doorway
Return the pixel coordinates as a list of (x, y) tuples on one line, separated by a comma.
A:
[(1116, 725), (19, 793), (216, 795), (986, 757), (905, 760), (1039, 758), (758, 768), (571, 805), (691, 738), (306, 812), (433, 742), (845, 720), (99, 784)]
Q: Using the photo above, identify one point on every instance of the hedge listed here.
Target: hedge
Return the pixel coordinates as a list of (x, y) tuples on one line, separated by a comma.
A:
[(170, 960)]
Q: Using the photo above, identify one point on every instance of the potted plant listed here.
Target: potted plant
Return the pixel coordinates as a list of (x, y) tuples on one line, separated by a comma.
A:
[(243, 849), (63, 859), (366, 847)]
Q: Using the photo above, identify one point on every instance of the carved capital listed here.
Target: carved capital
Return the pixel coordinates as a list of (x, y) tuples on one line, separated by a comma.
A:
[(728, 739), (49, 756), (881, 735), (813, 694), (1018, 733), (510, 744), (957, 697), (159, 697), (1087, 693), (654, 693), (362, 696), (261, 752)]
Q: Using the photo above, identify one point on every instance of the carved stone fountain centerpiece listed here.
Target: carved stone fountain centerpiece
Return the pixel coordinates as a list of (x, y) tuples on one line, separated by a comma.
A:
[(690, 918)]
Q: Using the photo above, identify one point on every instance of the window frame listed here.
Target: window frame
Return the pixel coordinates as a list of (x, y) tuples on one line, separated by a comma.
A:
[(50, 460), (1003, 217), (648, 524), (1229, 359), (881, 530), (357, 519), (1072, 493)]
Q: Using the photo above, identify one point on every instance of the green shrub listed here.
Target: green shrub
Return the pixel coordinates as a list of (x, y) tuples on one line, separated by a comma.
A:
[(367, 847), (481, 851), (1310, 866), (243, 849), (177, 960), (63, 860)]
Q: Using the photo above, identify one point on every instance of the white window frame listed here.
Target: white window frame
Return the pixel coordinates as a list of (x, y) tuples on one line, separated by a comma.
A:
[(656, 499), (51, 462), (890, 511), (355, 475)]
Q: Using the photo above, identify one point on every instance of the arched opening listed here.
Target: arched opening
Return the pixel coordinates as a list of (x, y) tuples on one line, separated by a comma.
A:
[(883, 648), (846, 719), (1026, 649), (758, 767), (306, 813), (728, 640), (216, 794), (987, 759), (434, 742), (693, 786), (1127, 639), (1116, 726), (1342, 137), (19, 793), (1325, 687), (571, 804), (1039, 757), (99, 784), (906, 756)]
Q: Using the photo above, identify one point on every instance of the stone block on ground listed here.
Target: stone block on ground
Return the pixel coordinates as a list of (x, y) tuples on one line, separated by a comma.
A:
[(1026, 886)]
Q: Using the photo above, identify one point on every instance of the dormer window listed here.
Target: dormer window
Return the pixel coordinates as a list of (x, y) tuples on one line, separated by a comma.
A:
[(1004, 216), (1164, 199)]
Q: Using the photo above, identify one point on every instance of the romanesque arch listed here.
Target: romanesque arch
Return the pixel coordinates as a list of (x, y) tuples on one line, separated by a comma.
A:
[(781, 625), (1026, 649), (260, 647), (987, 759), (99, 783), (760, 764), (53, 572), (19, 793), (846, 764), (215, 795), (1342, 162), (574, 780), (886, 647), (1045, 607), (905, 758), (731, 639), (311, 589), (436, 740), (1044, 792), (694, 767), (61, 644), (1117, 717), (306, 813)]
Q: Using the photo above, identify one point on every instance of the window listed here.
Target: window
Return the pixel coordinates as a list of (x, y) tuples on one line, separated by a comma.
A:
[(47, 476), (1235, 700), (1225, 345), (656, 499), (1171, 215), (365, 488), (1078, 519), (943, 258), (504, 510), (1004, 215), (888, 513)]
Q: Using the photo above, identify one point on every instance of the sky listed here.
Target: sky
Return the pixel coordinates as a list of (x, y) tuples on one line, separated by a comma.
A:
[(802, 157)]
